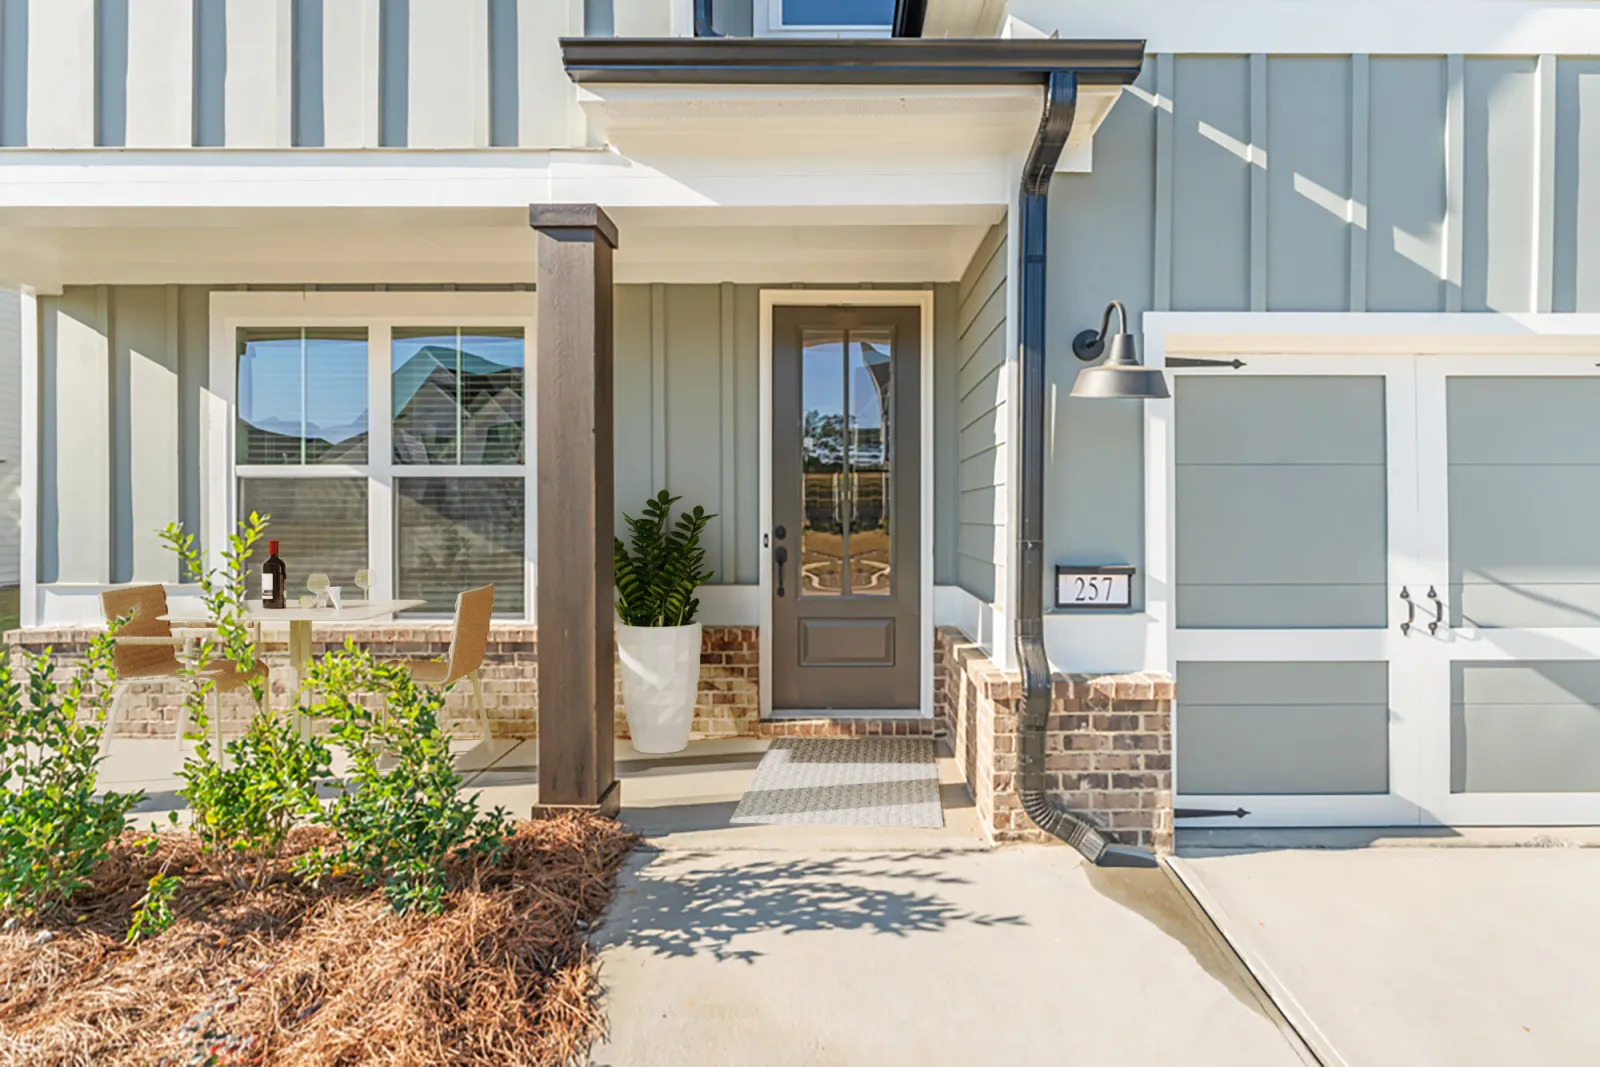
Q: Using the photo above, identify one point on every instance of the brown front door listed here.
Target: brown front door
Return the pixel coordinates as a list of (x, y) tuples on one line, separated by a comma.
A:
[(845, 508)]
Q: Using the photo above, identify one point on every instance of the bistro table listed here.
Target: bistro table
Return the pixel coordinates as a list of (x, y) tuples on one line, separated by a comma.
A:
[(301, 620)]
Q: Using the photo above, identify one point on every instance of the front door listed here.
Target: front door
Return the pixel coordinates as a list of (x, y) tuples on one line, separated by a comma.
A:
[(845, 509)]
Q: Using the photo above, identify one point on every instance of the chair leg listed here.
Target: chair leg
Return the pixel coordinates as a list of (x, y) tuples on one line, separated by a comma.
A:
[(216, 726), (113, 715), (483, 712)]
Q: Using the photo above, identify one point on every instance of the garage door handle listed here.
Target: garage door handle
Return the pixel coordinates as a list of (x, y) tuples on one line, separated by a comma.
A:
[(1411, 609), (1438, 611)]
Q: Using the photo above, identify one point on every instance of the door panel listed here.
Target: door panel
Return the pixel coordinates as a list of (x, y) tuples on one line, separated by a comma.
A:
[(1509, 460), (1294, 503), (845, 508)]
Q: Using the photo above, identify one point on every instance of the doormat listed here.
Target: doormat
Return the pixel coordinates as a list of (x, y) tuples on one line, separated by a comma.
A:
[(865, 781)]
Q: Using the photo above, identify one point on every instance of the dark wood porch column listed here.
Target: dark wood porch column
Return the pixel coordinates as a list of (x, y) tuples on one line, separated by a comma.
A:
[(573, 431)]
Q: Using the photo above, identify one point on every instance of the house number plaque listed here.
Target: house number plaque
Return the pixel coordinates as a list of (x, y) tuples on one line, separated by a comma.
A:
[(1094, 587)]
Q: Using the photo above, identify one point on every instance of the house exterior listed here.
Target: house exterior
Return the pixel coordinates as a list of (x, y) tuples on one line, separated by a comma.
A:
[(818, 265)]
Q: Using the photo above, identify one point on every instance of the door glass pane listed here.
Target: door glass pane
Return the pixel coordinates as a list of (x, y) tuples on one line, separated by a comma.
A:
[(302, 396), (320, 524), (454, 534), (871, 405), (458, 395), (822, 466)]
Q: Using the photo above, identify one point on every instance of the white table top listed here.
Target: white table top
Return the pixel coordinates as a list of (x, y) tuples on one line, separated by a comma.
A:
[(353, 611)]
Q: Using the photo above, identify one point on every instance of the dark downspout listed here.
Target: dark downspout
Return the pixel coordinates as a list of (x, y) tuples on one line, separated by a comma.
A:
[(1060, 106), (702, 19)]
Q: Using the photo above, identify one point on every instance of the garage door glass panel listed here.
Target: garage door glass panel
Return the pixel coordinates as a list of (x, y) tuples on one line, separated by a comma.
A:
[(1524, 486), (1525, 727), (1310, 728), (1281, 495)]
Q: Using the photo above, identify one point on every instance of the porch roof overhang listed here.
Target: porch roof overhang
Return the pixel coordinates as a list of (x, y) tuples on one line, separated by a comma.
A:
[(851, 61)]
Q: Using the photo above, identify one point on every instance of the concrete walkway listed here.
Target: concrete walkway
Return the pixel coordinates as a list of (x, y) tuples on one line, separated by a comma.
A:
[(823, 945), (1409, 956)]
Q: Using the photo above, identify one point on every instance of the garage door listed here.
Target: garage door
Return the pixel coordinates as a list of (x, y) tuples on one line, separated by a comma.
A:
[(1386, 602)]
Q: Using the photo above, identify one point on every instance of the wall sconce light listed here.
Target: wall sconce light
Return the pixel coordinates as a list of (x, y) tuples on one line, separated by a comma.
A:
[(1121, 376)]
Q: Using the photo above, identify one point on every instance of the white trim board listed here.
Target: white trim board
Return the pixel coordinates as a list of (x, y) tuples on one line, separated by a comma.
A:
[(1324, 27), (919, 298)]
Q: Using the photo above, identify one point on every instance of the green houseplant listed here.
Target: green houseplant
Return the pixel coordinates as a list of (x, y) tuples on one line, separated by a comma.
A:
[(658, 637)]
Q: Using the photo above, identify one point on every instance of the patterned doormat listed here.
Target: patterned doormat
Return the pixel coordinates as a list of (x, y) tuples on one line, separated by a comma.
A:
[(866, 781)]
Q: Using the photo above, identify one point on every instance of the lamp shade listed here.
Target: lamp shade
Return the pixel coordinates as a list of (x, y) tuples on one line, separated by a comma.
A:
[(1121, 376)]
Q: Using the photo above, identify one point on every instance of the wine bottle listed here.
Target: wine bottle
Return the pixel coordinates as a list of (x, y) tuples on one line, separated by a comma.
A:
[(274, 579)]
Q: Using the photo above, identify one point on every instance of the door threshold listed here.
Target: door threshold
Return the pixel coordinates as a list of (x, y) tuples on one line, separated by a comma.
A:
[(792, 714)]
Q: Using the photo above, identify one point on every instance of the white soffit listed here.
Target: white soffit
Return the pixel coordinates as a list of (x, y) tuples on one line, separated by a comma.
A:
[(833, 126)]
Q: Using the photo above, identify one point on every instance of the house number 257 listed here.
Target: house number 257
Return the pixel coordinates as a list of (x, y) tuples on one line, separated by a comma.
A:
[(1094, 587)]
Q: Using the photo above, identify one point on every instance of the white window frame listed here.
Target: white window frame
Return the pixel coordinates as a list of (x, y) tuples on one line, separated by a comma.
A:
[(769, 23), (378, 313)]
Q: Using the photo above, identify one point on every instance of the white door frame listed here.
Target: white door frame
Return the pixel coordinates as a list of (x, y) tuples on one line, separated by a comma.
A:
[(1313, 339), (921, 299)]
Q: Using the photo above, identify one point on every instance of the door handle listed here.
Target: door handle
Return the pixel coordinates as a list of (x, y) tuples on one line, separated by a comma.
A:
[(1411, 610), (780, 556), (1438, 611)]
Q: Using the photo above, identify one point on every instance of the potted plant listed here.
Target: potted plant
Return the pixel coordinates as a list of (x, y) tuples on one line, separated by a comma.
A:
[(658, 638)]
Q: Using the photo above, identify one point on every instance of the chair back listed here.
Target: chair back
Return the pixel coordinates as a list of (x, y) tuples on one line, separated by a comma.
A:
[(474, 611), (146, 604)]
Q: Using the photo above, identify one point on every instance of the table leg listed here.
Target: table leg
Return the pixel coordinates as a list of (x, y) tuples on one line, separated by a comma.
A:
[(299, 657)]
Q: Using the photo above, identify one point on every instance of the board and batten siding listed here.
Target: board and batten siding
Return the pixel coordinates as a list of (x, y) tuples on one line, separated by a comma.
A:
[(124, 367), (1298, 183), (981, 421), (433, 74), (10, 438)]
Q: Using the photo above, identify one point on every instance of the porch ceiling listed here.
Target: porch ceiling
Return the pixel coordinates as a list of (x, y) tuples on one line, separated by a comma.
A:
[(49, 248)]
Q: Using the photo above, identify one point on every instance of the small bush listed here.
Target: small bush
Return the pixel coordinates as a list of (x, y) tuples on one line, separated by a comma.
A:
[(53, 829), (659, 569), (243, 812), (399, 816)]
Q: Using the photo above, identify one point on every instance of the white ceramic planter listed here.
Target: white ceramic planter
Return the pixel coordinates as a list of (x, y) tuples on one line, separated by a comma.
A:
[(660, 680)]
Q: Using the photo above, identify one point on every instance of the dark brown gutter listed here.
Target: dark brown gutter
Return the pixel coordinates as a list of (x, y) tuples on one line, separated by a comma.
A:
[(870, 61)]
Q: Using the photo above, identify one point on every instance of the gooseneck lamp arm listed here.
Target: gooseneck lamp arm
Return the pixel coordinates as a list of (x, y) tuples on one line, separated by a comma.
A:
[(1089, 345)]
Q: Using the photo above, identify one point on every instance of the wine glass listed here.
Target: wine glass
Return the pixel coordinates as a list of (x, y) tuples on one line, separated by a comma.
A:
[(318, 583), (364, 583)]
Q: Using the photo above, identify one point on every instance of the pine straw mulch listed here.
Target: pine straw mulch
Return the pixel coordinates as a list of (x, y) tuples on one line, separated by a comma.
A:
[(291, 974)]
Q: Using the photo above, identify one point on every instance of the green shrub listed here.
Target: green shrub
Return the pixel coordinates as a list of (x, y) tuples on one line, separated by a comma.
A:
[(399, 816), (246, 799), (656, 577), (53, 829)]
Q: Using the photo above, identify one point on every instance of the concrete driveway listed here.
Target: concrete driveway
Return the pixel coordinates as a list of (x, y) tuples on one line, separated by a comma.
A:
[(1414, 956), (806, 954)]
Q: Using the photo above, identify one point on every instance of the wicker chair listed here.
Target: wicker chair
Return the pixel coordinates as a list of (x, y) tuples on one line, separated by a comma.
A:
[(468, 640), (146, 648)]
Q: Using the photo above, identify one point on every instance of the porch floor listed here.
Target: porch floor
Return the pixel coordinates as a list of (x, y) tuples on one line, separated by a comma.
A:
[(685, 799)]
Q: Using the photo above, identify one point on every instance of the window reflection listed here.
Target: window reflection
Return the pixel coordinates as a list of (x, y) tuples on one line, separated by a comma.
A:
[(458, 396), (302, 396), (822, 455), (846, 400), (871, 404)]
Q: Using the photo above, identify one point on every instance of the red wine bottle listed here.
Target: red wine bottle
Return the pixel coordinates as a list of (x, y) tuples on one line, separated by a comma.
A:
[(274, 579)]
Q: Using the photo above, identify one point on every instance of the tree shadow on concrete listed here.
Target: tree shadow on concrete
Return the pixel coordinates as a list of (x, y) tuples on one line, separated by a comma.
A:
[(677, 906)]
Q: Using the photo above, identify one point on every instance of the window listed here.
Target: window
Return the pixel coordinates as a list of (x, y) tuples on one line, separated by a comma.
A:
[(826, 18), (430, 498)]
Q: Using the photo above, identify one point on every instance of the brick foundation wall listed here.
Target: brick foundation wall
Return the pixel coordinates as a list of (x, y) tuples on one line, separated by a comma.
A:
[(729, 704), (1108, 745)]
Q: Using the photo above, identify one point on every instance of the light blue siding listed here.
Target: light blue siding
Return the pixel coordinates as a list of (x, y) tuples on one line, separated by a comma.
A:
[(982, 446)]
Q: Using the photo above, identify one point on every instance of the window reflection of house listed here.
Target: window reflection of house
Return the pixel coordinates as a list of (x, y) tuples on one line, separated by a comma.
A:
[(454, 406)]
